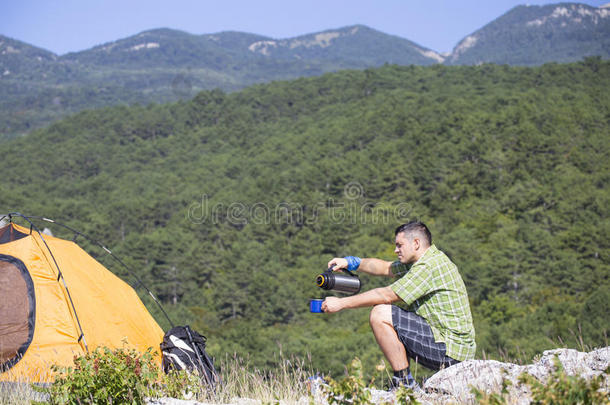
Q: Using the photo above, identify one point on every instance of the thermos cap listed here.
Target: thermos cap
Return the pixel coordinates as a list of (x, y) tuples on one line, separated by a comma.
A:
[(320, 280)]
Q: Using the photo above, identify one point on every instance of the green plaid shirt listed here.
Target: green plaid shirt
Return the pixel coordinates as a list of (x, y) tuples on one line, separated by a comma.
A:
[(434, 290)]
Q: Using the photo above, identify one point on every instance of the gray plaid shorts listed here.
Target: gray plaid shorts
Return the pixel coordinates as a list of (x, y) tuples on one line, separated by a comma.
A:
[(416, 335)]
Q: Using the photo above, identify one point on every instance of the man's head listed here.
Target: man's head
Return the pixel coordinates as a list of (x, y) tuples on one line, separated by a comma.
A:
[(412, 240)]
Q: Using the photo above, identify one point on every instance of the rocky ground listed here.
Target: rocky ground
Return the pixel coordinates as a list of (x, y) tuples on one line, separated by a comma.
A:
[(453, 384)]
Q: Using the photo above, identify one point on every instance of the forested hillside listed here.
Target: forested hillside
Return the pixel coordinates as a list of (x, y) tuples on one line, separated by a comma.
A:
[(229, 205)]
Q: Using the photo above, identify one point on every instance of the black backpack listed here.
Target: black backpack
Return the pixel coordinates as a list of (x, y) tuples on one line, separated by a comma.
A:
[(184, 349)]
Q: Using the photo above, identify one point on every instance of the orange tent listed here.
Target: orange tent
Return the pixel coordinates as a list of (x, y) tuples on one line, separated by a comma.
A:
[(56, 301)]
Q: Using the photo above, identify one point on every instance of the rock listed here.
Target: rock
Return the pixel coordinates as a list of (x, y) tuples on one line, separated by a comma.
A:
[(174, 401), (599, 360), (455, 382), (381, 397), (245, 401), (171, 401), (586, 365)]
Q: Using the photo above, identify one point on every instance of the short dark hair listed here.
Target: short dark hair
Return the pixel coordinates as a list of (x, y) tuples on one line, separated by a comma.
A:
[(415, 227)]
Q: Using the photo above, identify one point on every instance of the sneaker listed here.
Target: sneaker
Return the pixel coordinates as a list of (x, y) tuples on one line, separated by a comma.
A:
[(396, 383)]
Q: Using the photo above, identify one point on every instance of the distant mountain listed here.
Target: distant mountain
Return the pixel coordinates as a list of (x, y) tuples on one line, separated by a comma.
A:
[(355, 46), (169, 48), (233, 60), (163, 65), (16, 56), (533, 35)]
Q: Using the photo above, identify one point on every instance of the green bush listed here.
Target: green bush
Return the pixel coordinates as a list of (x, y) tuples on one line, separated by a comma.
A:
[(122, 376), (352, 389)]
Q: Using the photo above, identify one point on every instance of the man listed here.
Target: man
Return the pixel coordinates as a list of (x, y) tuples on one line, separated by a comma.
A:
[(436, 330)]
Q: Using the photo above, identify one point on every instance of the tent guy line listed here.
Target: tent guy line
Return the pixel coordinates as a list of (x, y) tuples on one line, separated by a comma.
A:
[(96, 242)]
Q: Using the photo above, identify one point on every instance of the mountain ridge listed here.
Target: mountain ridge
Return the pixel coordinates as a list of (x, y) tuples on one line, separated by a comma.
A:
[(532, 35), (164, 64), (584, 10), (283, 48), (216, 36)]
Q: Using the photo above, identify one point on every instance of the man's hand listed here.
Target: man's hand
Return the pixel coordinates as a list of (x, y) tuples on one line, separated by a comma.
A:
[(338, 263), (332, 304)]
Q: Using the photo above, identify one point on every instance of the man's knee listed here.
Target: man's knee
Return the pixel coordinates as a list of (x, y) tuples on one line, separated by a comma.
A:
[(381, 313)]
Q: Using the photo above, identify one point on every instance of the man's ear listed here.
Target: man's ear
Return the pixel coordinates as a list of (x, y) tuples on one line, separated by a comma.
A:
[(416, 243)]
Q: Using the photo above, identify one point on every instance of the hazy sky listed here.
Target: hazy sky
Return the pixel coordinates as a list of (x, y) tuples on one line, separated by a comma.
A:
[(72, 25)]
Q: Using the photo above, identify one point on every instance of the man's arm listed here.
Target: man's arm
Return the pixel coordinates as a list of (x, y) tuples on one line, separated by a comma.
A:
[(382, 295), (376, 267)]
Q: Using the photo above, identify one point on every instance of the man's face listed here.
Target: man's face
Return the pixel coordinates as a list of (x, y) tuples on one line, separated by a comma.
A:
[(406, 248)]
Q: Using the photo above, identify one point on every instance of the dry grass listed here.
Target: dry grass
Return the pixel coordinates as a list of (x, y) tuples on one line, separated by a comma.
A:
[(288, 383), (18, 393)]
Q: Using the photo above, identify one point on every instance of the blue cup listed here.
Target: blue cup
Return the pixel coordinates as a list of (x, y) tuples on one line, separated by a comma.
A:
[(315, 306)]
